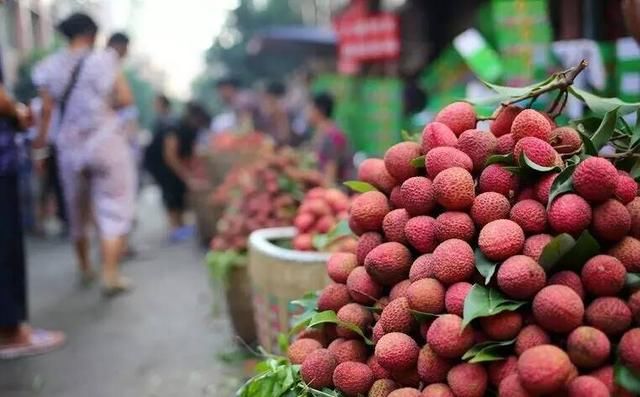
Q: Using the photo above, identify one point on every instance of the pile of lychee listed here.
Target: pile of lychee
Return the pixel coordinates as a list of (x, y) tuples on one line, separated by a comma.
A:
[(319, 213), (420, 236), (265, 193)]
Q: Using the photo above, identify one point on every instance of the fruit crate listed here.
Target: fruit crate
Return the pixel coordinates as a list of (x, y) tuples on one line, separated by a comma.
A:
[(278, 276)]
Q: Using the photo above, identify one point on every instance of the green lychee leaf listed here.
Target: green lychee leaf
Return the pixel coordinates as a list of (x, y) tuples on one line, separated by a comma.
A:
[(408, 137), (360, 187), (485, 267), (307, 306), (528, 164), (626, 378), (515, 92), (419, 162), (341, 229), (562, 184), (635, 170), (283, 342), (587, 145), (601, 105), (328, 317), (555, 250), (485, 302), (488, 351), (632, 280), (423, 317), (605, 131), (500, 159), (586, 247)]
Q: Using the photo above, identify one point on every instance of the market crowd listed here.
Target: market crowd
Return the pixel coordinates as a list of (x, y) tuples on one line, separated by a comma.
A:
[(74, 153)]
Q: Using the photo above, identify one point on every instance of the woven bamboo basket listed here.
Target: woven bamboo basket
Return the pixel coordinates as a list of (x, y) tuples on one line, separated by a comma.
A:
[(238, 294), (278, 276)]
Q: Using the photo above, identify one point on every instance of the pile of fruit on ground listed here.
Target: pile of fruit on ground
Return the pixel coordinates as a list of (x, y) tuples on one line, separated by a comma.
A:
[(502, 262)]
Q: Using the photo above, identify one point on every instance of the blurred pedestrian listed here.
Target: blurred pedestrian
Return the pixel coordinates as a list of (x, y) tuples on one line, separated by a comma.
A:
[(239, 113), (274, 118), (80, 89), (331, 145), (17, 338)]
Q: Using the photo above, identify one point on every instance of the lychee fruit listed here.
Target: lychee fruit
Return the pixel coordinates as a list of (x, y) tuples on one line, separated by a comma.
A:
[(420, 232), (495, 178), (398, 158), (583, 386), (511, 387), (393, 225), (442, 158), (399, 290), (354, 314), (543, 187), (570, 279), (382, 388), (505, 144), (504, 116), (459, 116), (478, 145), (629, 349), (437, 390), (333, 297), (627, 251), (405, 392), (366, 243), (406, 377), (353, 378), (454, 224), (626, 189), (373, 171), (634, 210), (435, 135), (536, 150), (447, 338), (388, 263), (611, 220), (566, 140), (301, 348), (369, 209), (379, 372), (346, 350), (421, 268), (455, 296), (595, 179), (340, 265), (453, 261), (603, 275), (531, 123), (501, 239), (530, 215), (534, 245), (543, 369), (569, 213), (397, 317), (417, 195), (431, 367), (454, 188), (489, 206), (397, 351), (609, 314), (362, 288), (317, 369), (530, 336), (396, 197), (605, 375), (588, 347), (426, 295), (502, 326), (634, 306), (558, 308), (498, 370), (468, 380)]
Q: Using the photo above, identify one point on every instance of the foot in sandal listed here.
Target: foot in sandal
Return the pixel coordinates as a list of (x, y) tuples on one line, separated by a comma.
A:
[(26, 342), (119, 285)]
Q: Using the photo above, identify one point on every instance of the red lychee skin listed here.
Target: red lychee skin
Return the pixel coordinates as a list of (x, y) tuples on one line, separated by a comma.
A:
[(431, 367), (505, 144), (569, 213), (627, 251), (504, 116), (543, 369), (406, 377), (502, 326), (442, 158), (303, 242), (362, 288), (353, 378), (495, 178), (304, 222), (333, 297), (498, 370), (531, 123), (511, 387), (366, 243), (399, 290), (501, 239), (530, 336), (447, 338), (605, 375), (369, 209), (426, 295), (595, 179), (353, 313), (558, 308), (382, 388), (339, 266), (534, 245), (398, 158), (405, 392), (489, 206), (468, 380), (521, 277), (454, 224), (373, 171), (634, 210), (421, 268), (388, 263), (397, 317), (397, 351), (587, 386), (634, 306), (378, 370), (588, 347), (569, 279), (313, 333), (603, 275), (459, 116), (530, 215), (345, 350), (317, 369), (354, 227), (393, 225), (396, 197), (611, 220), (566, 140), (455, 296), (377, 332), (420, 232), (629, 349), (543, 187), (478, 145), (417, 195), (609, 314), (453, 261), (454, 189), (437, 390), (626, 189), (435, 135), (301, 348), (536, 150)]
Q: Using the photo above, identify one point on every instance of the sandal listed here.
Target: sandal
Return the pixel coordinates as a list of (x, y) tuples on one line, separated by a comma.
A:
[(40, 342), (86, 278), (117, 287)]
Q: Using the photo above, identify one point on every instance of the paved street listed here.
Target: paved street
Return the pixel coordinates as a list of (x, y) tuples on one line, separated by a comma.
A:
[(161, 340)]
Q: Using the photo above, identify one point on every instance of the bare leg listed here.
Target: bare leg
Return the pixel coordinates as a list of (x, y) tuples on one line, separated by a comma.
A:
[(82, 253), (175, 219), (112, 249)]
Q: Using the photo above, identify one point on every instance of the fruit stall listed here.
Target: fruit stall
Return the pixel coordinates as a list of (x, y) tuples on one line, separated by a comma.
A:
[(485, 256)]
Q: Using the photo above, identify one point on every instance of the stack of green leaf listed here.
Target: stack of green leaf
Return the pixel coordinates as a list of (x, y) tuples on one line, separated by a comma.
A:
[(504, 261)]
